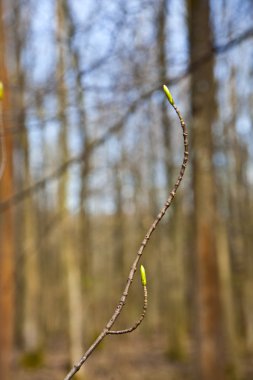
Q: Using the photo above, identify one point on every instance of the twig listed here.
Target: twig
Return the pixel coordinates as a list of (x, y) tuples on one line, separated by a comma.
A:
[(145, 305), (137, 324), (108, 326)]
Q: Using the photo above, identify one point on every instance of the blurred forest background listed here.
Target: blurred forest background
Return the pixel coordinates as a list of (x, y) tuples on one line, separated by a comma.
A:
[(90, 148)]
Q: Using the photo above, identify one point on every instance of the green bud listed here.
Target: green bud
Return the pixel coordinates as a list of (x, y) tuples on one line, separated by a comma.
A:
[(1, 90), (168, 94), (143, 275)]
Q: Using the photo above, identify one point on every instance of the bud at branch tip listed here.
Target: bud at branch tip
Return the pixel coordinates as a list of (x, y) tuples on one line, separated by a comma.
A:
[(143, 275), (168, 94)]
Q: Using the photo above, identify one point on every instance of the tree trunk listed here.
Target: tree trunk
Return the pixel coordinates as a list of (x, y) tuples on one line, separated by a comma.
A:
[(6, 224), (210, 352), (31, 268), (31, 275), (69, 255), (176, 326), (118, 233), (84, 246)]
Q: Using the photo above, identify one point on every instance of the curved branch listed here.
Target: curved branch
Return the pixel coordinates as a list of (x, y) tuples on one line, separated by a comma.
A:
[(134, 327), (158, 218)]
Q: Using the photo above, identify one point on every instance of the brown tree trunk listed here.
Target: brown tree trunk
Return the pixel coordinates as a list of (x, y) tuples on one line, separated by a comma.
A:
[(210, 352), (233, 273), (69, 253), (232, 346), (175, 323), (31, 275), (84, 241), (6, 226), (118, 233)]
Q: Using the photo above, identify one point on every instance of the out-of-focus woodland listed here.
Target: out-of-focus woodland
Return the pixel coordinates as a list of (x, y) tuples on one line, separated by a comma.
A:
[(90, 149)]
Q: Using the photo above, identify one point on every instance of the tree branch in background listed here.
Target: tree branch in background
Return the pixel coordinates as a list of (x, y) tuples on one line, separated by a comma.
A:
[(58, 172), (215, 51), (107, 329)]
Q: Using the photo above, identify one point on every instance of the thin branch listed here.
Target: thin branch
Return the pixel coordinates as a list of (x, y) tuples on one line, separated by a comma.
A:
[(21, 195), (15, 199), (132, 328), (160, 215)]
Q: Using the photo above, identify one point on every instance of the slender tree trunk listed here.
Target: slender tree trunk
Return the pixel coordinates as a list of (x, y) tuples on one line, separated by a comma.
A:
[(69, 254), (31, 339), (84, 245), (175, 297), (234, 226), (6, 224), (210, 352), (118, 233), (163, 74), (231, 276), (31, 267), (232, 347)]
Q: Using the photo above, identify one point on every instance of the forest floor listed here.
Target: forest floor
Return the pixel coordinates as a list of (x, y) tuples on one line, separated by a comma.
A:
[(130, 357), (125, 357)]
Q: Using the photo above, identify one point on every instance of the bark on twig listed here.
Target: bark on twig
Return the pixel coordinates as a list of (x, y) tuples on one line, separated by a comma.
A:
[(108, 326)]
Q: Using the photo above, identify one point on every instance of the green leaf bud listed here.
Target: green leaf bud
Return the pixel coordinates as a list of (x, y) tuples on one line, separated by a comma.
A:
[(143, 275), (168, 94)]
